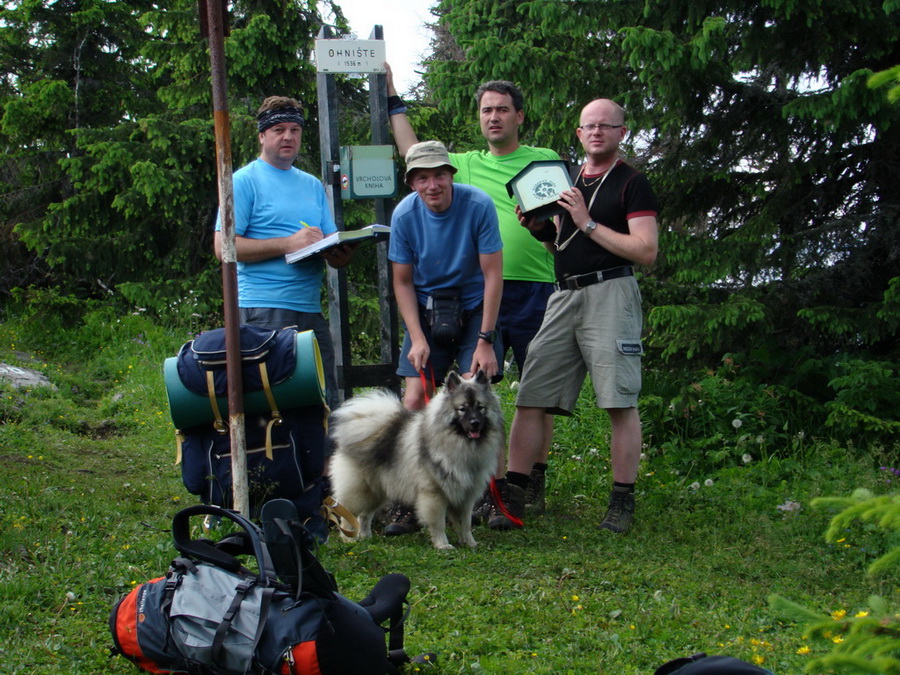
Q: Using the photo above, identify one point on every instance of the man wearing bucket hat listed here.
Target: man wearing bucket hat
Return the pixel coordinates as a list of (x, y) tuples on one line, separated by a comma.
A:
[(447, 262), (279, 209), (444, 237)]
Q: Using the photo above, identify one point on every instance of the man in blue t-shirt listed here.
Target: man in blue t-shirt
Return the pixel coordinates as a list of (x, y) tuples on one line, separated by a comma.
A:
[(445, 240), (443, 237), (279, 209)]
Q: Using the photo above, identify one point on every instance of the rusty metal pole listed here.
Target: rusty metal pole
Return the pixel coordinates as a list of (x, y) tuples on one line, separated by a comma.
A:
[(215, 23)]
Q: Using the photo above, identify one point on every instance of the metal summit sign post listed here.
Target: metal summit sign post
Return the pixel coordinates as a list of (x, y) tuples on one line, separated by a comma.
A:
[(369, 172), (350, 56)]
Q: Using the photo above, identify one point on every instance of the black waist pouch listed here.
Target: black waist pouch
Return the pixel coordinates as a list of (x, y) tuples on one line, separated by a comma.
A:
[(444, 317)]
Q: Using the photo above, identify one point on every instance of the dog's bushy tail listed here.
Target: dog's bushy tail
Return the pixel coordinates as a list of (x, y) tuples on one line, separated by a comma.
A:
[(360, 421)]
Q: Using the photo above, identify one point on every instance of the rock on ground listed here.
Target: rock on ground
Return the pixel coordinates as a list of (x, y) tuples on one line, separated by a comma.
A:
[(23, 378)]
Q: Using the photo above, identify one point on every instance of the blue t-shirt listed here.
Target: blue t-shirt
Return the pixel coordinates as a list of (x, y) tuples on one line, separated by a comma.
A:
[(443, 248), (270, 202)]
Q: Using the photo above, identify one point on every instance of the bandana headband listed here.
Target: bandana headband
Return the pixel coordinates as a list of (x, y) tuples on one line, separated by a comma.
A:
[(278, 116)]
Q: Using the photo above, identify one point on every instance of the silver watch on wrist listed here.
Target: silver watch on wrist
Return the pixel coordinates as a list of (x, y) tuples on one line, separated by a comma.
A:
[(590, 227)]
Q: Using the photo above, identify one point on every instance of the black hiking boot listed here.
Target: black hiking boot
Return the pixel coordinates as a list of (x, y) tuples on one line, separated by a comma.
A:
[(536, 494), (513, 499), (483, 508), (620, 514), (402, 521)]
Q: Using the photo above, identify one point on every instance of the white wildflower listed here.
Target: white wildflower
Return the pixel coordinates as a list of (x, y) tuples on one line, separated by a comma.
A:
[(695, 485), (760, 440), (70, 596), (789, 506), (737, 423), (708, 482), (746, 458)]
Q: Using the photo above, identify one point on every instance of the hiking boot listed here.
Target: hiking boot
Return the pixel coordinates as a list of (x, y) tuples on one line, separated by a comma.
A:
[(536, 494), (402, 521), (620, 514), (513, 498), (482, 510)]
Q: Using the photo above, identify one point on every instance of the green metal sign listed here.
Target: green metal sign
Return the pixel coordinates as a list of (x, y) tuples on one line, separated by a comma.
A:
[(368, 172)]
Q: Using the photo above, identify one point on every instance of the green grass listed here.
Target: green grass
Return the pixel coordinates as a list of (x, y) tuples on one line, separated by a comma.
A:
[(88, 488)]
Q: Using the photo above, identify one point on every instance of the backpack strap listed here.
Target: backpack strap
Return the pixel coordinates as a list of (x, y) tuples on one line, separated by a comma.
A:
[(219, 423), (205, 551), (291, 547), (179, 442), (339, 515), (385, 602), (276, 414), (225, 625)]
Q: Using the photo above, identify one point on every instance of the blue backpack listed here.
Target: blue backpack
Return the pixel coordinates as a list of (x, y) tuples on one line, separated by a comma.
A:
[(285, 418)]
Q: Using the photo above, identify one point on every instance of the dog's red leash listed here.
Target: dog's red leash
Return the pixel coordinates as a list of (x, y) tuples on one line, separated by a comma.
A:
[(425, 383), (498, 500)]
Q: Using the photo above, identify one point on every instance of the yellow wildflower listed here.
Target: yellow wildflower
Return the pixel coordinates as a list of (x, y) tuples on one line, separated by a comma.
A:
[(839, 614), (804, 650)]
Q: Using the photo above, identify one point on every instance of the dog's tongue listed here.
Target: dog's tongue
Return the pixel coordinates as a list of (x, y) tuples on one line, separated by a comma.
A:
[(474, 434)]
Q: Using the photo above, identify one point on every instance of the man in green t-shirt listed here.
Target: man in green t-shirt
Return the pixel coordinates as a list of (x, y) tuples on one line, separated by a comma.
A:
[(528, 274)]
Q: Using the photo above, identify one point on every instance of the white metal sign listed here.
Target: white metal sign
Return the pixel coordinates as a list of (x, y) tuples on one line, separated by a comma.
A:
[(350, 56)]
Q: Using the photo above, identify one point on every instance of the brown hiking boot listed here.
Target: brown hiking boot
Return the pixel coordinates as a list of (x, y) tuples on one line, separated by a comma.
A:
[(536, 494), (513, 498), (620, 514), (402, 521)]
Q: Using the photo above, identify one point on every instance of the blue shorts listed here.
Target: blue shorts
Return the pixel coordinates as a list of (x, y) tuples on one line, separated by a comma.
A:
[(521, 313), (442, 359)]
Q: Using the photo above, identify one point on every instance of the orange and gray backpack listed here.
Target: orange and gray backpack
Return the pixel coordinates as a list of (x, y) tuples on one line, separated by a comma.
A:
[(212, 615)]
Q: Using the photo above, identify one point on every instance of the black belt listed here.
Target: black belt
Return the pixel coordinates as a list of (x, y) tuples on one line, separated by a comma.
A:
[(591, 278)]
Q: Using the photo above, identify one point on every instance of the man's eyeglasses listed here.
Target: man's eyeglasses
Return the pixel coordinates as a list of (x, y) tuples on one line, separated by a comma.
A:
[(600, 127)]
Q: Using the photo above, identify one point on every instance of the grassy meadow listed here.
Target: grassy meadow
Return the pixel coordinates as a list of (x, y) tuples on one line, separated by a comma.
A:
[(88, 487)]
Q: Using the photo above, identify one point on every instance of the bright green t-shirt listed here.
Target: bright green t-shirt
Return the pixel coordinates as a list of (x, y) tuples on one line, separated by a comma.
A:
[(524, 257)]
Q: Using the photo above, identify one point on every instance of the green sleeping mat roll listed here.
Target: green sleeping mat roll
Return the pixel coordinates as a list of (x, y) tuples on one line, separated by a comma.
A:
[(305, 386)]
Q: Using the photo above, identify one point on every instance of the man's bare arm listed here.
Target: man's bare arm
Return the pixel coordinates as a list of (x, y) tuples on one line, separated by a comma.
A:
[(404, 135)]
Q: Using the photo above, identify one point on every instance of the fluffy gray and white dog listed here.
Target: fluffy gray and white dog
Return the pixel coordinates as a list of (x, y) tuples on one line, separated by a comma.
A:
[(438, 459)]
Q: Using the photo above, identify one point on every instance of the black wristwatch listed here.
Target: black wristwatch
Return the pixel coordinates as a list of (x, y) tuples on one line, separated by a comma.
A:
[(488, 336)]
